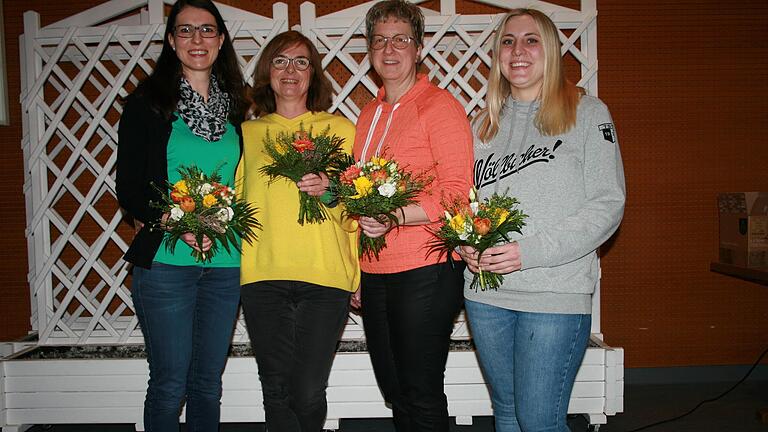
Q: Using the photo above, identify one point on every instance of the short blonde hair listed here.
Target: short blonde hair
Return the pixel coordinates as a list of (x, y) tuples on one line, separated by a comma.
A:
[(559, 97)]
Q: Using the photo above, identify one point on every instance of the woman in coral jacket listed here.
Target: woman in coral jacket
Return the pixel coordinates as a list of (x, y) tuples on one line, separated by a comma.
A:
[(410, 297)]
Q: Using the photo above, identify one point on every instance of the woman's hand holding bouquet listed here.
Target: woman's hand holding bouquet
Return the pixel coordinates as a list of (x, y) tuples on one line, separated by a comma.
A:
[(301, 153), (204, 213), (479, 226), (376, 189)]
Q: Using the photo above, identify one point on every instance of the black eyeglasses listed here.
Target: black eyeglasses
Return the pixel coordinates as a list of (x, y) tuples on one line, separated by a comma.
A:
[(188, 30), (399, 41), (282, 62)]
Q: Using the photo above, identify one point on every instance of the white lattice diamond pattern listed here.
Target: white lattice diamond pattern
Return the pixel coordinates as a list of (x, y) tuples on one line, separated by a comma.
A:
[(76, 77), (74, 74), (456, 55)]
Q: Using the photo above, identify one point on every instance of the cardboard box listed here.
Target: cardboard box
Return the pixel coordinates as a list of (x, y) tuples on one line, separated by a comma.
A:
[(744, 228)]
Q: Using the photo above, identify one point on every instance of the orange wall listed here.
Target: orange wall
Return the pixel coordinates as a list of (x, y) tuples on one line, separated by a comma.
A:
[(686, 84)]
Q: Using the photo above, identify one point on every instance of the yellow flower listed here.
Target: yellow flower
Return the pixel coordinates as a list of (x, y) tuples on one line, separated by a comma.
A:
[(281, 148), (379, 161), (502, 215), (209, 201), (457, 223), (363, 187), (181, 186)]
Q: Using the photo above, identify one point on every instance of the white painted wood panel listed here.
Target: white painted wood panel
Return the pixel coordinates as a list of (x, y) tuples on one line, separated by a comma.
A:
[(67, 133)]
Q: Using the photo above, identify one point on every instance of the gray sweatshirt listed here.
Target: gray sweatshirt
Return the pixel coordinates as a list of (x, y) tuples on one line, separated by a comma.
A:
[(571, 186)]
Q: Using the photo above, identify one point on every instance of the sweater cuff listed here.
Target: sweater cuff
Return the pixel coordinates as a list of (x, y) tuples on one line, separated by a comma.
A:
[(531, 254)]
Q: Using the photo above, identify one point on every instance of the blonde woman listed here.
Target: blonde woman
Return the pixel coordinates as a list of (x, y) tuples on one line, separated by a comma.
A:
[(555, 149)]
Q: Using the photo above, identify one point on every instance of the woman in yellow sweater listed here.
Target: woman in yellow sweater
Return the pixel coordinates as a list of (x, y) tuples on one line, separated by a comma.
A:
[(296, 280)]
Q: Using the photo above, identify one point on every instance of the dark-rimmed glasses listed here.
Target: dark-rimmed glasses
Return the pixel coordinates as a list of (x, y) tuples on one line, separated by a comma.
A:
[(282, 62), (188, 30), (398, 41)]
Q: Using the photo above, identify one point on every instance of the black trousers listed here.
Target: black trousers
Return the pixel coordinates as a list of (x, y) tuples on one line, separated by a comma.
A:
[(408, 318), (294, 329)]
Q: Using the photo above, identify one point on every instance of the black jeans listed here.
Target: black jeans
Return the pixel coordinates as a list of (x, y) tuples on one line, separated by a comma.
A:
[(294, 329), (408, 319)]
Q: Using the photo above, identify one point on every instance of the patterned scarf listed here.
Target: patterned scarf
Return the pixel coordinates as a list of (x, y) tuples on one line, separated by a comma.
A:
[(206, 120)]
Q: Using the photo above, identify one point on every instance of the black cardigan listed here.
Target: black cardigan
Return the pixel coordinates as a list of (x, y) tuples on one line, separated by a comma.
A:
[(142, 160)]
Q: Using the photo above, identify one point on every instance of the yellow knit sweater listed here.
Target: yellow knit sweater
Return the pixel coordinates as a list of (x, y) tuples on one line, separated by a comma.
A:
[(323, 254)]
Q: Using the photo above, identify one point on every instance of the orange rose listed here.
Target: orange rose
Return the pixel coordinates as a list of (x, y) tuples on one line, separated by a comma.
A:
[(301, 142), (187, 204), (218, 188), (350, 174), (302, 145), (378, 176), (176, 196), (482, 225)]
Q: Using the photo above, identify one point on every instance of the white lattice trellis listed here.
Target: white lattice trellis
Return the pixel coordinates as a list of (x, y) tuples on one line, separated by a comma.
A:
[(73, 74), (456, 55), (456, 51)]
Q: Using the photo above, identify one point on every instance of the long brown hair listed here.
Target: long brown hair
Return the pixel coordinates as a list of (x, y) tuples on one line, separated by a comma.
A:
[(162, 85), (559, 97)]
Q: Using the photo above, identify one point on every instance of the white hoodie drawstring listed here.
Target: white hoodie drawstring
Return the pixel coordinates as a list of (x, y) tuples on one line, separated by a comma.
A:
[(369, 137)]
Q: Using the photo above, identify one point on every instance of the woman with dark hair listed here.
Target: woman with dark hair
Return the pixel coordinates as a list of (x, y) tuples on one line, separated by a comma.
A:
[(410, 297), (187, 112), (297, 278), (531, 334)]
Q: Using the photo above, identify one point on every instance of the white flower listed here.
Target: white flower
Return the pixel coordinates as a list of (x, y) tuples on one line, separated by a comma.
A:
[(447, 215), (463, 236), (472, 194), (206, 188), (387, 190), (225, 214), (176, 213), (474, 206)]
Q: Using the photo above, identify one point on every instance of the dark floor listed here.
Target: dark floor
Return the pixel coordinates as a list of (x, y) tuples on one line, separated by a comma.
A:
[(644, 404)]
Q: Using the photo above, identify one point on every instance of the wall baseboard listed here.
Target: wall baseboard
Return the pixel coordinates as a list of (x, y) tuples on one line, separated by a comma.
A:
[(693, 374)]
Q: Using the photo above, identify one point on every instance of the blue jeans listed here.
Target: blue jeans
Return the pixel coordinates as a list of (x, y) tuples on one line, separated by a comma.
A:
[(187, 315), (530, 362), (294, 328)]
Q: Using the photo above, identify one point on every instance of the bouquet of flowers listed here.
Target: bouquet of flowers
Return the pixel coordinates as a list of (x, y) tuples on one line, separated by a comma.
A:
[(480, 225), (300, 153), (376, 189), (202, 205)]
